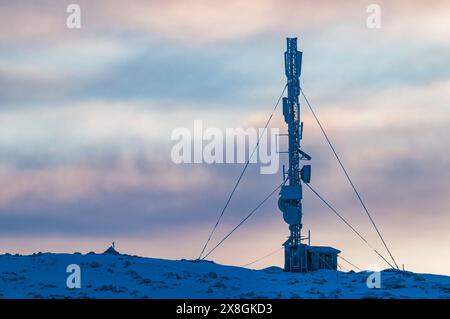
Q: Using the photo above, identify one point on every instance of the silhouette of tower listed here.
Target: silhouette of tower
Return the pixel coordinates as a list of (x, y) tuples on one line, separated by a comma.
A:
[(298, 257)]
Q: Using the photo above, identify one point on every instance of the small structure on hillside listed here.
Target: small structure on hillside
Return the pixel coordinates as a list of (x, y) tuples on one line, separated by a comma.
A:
[(309, 258), (111, 250)]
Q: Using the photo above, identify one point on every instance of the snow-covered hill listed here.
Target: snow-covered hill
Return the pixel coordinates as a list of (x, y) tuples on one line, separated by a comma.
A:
[(110, 275)]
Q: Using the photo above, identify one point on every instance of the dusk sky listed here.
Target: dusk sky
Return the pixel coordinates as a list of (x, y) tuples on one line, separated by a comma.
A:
[(86, 117)]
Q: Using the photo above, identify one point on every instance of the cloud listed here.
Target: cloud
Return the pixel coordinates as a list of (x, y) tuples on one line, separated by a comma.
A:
[(205, 52), (200, 21), (188, 21), (78, 182)]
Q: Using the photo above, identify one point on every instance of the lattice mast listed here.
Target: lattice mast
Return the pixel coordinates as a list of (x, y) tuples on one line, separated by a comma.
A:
[(290, 202)]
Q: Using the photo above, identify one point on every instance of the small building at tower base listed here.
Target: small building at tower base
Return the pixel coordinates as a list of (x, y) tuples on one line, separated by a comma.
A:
[(304, 258)]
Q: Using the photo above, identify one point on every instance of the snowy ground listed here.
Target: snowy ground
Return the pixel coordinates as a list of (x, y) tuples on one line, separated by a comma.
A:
[(122, 276)]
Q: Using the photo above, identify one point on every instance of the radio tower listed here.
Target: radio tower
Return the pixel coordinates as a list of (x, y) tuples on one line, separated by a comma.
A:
[(298, 257)]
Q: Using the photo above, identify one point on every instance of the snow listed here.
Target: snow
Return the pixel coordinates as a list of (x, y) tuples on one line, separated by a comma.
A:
[(112, 275)]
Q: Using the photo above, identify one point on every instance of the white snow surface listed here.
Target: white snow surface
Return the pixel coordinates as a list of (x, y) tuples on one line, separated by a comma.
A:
[(43, 275)]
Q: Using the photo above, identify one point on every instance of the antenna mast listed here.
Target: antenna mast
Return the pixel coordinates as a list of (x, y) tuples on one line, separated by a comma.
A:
[(290, 201)]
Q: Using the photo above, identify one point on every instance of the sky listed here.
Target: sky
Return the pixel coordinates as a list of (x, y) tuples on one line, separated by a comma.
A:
[(86, 117)]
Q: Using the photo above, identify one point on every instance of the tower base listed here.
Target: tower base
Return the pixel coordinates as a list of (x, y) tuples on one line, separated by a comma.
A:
[(304, 258)]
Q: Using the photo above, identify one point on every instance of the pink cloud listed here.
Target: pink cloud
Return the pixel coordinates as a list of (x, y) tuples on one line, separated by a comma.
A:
[(199, 21), (72, 183)]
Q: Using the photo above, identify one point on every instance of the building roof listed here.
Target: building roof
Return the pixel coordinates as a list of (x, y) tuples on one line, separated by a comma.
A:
[(324, 249)]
